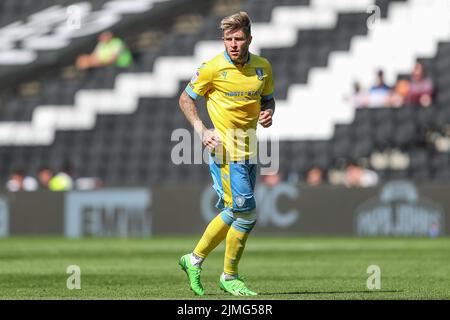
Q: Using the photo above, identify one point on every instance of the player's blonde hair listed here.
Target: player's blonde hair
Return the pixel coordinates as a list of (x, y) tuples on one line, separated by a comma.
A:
[(239, 20)]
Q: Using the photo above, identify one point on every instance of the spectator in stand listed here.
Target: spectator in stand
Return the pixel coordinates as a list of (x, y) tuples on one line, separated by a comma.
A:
[(110, 50), (357, 176), (421, 87), (400, 93), (18, 181), (315, 176), (271, 179), (359, 98), (62, 181), (45, 174), (380, 92)]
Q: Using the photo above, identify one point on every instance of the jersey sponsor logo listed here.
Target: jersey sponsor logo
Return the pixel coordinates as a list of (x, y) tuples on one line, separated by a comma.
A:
[(259, 73), (243, 93)]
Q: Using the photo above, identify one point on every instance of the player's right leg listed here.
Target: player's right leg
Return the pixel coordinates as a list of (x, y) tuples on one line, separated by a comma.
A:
[(214, 234), (193, 273)]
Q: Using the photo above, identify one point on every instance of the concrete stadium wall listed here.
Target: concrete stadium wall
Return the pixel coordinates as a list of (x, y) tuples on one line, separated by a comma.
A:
[(397, 208)]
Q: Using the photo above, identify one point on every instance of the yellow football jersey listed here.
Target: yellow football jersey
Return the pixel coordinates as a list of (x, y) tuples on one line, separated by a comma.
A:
[(233, 94)]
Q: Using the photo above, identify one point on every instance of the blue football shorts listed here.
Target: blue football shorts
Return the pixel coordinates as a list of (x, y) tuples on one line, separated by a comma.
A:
[(234, 183)]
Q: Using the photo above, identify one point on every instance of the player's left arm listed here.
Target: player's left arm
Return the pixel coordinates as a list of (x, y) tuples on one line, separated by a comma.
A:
[(267, 111), (267, 100)]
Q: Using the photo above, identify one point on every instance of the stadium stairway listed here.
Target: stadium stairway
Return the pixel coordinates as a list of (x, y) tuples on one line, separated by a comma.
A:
[(129, 87), (320, 102)]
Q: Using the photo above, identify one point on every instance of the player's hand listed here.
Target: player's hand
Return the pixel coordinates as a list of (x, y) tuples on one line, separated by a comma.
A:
[(210, 139), (265, 118)]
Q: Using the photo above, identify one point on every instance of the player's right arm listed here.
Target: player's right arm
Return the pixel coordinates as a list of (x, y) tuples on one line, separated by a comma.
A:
[(200, 84), (187, 104)]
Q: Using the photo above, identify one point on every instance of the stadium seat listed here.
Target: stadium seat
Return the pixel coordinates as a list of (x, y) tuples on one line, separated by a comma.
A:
[(133, 148)]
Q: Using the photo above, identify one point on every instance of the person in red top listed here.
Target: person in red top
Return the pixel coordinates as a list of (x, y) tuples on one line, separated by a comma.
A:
[(421, 87)]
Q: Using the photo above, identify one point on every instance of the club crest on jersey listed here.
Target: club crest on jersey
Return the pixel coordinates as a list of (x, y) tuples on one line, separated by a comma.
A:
[(224, 74), (260, 73), (195, 77), (240, 201)]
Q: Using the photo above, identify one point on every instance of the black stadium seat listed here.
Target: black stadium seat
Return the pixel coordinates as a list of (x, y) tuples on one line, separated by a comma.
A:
[(134, 149)]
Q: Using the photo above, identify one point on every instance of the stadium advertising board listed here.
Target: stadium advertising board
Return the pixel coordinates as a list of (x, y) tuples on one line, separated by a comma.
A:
[(4, 218), (107, 213), (34, 213), (395, 209), (399, 210)]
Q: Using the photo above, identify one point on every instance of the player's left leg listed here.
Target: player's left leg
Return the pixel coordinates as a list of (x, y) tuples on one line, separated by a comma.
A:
[(230, 280), (242, 178)]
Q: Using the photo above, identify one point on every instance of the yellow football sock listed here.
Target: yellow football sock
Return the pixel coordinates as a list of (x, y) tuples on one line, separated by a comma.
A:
[(235, 247), (213, 235)]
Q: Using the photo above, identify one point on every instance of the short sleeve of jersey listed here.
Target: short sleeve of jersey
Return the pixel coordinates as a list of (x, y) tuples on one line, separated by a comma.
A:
[(201, 82), (268, 89)]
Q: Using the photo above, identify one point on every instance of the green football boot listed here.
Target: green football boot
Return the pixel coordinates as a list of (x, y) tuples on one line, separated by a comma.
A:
[(193, 274), (235, 286)]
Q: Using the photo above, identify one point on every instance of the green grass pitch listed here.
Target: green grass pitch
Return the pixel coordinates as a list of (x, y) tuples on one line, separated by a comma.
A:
[(276, 267)]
